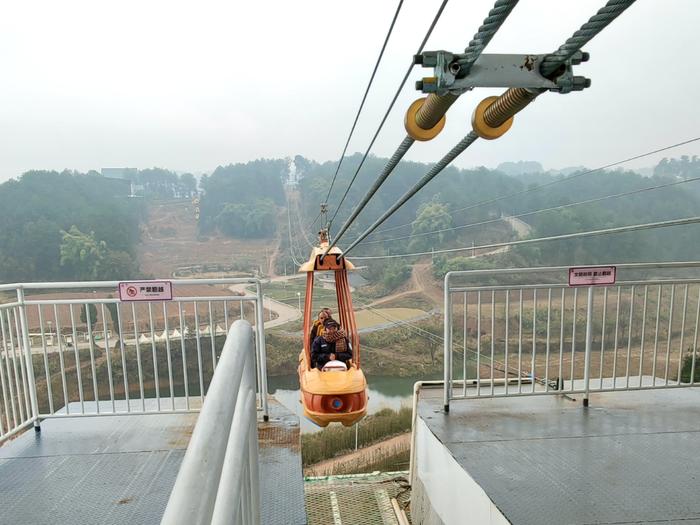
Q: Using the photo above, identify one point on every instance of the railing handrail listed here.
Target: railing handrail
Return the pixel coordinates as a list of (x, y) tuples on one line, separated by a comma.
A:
[(548, 269), (20, 349), (110, 284), (204, 489), (499, 346)]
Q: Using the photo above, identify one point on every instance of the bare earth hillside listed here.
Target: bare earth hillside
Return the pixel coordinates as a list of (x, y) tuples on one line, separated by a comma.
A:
[(169, 241)]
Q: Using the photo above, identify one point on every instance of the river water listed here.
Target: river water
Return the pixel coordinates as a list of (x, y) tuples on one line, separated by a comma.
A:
[(384, 392)]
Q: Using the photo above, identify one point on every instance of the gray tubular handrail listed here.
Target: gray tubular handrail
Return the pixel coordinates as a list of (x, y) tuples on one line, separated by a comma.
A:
[(218, 477)]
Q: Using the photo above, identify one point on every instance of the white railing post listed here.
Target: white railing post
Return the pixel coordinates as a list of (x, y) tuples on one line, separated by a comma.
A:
[(254, 471), (447, 358), (261, 354), (28, 357), (587, 357)]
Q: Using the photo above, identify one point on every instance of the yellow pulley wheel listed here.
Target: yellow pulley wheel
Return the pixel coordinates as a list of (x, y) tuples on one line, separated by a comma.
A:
[(414, 130), (480, 126)]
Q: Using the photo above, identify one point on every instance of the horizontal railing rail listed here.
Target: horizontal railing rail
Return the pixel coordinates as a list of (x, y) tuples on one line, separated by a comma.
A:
[(536, 335), (76, 349), (218, 481)]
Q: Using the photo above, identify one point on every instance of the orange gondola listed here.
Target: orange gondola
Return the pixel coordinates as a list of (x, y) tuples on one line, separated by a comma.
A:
[(331, 396)]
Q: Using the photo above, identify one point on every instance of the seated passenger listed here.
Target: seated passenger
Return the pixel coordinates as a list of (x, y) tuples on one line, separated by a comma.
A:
[(317, 327), (326, 314), (333, 345)]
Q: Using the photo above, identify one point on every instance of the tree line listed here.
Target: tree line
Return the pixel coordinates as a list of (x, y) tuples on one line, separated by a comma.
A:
[(67, 226), (464, 196)]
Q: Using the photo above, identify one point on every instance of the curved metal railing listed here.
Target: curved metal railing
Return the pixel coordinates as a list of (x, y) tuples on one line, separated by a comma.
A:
[(218, 481)]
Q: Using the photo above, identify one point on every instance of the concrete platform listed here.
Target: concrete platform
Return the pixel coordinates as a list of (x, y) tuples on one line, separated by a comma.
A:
[(121, 469), (631, 457)]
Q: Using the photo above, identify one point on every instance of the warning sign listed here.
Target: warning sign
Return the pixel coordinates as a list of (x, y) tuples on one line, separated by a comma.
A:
[(146, 291), (592, 276)]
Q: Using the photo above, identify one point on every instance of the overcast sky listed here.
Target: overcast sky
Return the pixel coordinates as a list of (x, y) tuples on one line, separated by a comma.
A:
[(189, 85)]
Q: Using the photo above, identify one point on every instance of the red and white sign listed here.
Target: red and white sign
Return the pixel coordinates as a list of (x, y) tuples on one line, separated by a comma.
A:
[(146, 291), (592, 276)]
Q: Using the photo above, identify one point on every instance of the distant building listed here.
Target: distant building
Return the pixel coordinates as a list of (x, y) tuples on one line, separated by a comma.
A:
[(130, 174), (120, 173)]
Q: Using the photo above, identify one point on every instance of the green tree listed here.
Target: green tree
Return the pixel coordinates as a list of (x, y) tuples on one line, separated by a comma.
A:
[(118, 265), (431, 216), (248, 220), (188, 185), (82, 254), (395, 274), (41, 205)]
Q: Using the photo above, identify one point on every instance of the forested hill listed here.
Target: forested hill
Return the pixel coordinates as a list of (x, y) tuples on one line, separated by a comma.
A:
[(67, 226), (441, 206), (239, 199)]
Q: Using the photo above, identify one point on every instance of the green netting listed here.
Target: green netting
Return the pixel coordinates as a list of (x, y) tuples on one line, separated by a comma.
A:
[(359, 499)]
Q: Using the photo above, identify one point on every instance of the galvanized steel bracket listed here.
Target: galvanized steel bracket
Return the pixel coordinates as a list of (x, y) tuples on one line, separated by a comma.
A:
[(497, 70)]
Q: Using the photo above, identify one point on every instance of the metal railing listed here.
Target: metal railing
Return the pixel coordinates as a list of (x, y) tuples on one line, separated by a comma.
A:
[(218, 481), (75, 349), (514, 332)]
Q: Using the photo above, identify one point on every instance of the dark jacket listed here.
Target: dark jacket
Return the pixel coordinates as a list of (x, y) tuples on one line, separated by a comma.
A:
[(321, 351)]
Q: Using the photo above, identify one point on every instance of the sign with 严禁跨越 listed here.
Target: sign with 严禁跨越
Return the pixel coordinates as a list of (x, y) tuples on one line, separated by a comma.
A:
[(146, 291), (592, 276)]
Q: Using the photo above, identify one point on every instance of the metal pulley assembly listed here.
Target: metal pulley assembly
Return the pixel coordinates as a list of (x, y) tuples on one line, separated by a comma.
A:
[(412, 122), (524, 75), (497, 70)]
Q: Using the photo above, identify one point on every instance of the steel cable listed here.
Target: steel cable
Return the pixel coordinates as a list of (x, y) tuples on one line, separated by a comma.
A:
[(386, 113), (433, 108), (364, 98), (598, 22), (541, 210), (484, 34), (512, 101), (446, 160), (565, 236), (558, 181)]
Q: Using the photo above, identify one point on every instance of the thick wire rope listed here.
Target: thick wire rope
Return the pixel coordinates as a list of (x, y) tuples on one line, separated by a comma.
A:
[(541, 210), (391, 106), (591, 28), (598, 22), (493, 22), (441, 165), (558, 181), (485, 33), (364, 97), (565, 236)]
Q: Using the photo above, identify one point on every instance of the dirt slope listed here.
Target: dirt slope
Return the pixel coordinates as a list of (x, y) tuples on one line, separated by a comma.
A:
[(169, 241)]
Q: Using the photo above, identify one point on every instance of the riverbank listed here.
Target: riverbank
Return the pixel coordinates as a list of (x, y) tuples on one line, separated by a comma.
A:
[(376, 439), (387, 455)]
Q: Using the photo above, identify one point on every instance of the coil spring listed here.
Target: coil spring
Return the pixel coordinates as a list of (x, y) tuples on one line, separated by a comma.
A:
[(507, 105), (433, 109)]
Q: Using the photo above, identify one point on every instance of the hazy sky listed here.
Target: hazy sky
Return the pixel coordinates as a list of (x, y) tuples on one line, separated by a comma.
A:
[(191, 85)]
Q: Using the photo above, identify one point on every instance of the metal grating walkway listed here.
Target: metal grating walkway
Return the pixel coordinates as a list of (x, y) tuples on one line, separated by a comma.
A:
[(361, 499), (121, 469), (632, 457)]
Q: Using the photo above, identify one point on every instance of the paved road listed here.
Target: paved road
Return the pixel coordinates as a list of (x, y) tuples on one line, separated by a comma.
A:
[(285, 313)]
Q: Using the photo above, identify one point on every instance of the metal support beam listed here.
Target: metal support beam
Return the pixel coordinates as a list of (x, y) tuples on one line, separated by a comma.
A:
[(498, 70)]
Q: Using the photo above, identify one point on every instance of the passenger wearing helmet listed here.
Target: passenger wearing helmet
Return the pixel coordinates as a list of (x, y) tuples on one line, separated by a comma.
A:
[(332, 345)]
